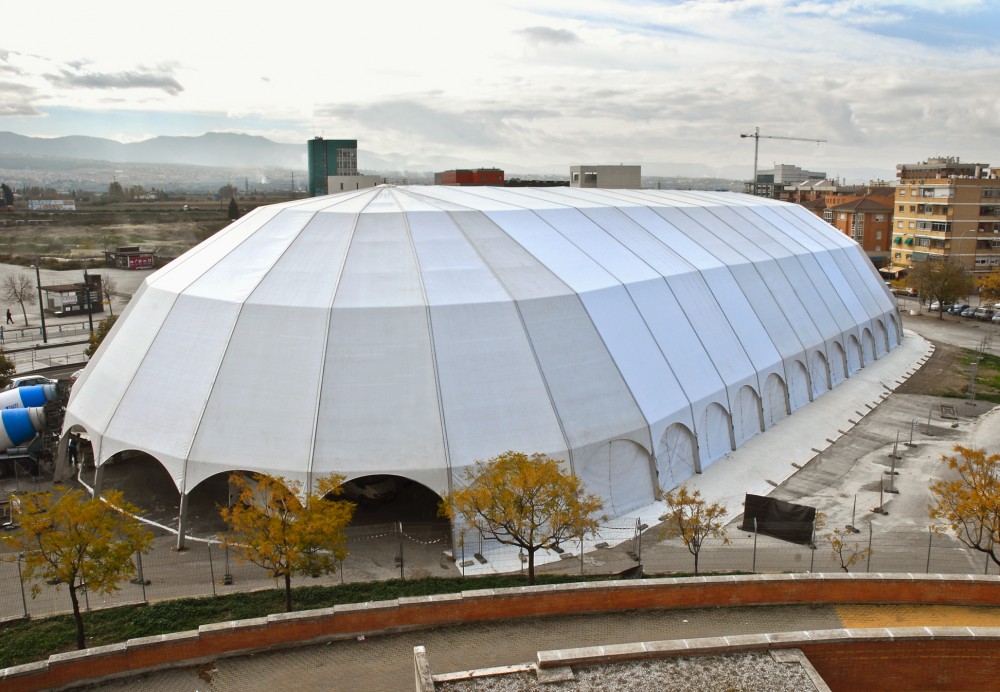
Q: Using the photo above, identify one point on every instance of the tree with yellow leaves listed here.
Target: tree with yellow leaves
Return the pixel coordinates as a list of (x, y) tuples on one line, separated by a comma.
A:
[(969, 502), (525, 501), (70, 538), (990, 289), (276, 526), (692, 518), (847, 552)]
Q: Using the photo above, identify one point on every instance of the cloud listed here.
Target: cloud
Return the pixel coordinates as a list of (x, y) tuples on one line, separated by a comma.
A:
[(485, 126), (544, 34), (115, 80), (15, 100)]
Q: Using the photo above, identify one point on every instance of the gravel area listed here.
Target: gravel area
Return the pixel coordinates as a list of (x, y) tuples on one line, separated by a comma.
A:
[(725, 673)]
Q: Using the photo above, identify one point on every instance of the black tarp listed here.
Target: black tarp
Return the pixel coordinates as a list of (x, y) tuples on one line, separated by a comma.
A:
[(780, 519)]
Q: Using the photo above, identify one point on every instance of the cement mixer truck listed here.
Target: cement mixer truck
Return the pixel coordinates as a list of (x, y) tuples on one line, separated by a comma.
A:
[(22, 417)]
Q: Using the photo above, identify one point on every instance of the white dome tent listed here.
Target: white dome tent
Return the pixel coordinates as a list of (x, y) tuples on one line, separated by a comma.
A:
[(638, 335)]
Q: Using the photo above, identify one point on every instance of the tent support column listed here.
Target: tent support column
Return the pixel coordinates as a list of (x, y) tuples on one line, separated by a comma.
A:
[(60, 472), (98, 480), (182, 521)]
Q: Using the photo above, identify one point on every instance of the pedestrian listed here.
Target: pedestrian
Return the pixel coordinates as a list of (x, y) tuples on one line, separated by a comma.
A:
[(73, 442), (10, 317)]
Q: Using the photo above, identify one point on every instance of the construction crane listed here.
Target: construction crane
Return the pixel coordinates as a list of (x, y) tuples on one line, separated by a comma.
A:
[(757, 136)]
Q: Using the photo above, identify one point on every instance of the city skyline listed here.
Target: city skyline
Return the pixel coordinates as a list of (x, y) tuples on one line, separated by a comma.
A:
[(542, 84)]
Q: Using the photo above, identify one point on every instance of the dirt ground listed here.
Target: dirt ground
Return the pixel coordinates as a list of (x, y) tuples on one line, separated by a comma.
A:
[(945, 374), (76, 235)]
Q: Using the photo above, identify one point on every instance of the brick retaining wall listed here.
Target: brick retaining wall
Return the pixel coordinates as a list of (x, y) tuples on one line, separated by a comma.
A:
[(294, 629)]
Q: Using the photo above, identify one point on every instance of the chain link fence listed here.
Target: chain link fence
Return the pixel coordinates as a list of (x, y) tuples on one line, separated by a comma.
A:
[(376, 552), (414, 550)]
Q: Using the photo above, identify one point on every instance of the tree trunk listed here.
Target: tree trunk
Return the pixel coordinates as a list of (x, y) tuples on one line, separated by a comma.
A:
[(288, 592), (24, 312), (696, 563), (531, 566), (81, 642)]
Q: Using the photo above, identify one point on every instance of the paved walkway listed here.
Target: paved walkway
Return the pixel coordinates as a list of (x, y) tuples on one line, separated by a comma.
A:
[(385, 663)]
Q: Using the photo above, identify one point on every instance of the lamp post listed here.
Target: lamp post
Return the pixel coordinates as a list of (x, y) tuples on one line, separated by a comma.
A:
[(90, 307), (41, 305)]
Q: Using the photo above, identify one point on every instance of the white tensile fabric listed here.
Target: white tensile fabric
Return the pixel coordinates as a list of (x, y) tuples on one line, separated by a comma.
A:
[(638, 335)]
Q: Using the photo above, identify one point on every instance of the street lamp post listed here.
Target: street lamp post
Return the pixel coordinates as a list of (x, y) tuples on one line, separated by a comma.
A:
[(41, 305), (90, 306)]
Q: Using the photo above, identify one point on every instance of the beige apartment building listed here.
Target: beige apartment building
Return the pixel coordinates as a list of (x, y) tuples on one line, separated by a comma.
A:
[(606, 177), (947, 210)]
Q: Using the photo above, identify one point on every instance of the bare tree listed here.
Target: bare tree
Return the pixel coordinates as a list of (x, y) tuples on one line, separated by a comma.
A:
[(19, 288), (108, 288)]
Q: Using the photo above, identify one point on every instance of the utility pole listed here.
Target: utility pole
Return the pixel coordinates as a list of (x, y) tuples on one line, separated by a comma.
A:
[(41, 305), (757, 136)]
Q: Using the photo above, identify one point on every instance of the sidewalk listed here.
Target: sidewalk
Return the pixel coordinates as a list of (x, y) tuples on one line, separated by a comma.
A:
[(66, 337), (386, 662)]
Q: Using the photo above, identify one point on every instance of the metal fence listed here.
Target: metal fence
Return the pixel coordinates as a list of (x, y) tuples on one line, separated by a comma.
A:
[(33, 359), (377, 552), (417, 550), (24, 347)]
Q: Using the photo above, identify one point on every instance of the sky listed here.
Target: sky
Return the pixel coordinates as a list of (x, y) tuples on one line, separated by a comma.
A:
[(526, 84)]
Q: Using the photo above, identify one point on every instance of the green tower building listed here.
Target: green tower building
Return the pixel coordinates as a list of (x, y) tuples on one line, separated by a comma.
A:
[(330, 157)]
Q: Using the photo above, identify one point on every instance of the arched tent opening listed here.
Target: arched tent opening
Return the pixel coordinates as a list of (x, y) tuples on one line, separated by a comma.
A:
[(748, 415), (867, 347), (73, 453), (798, 385), (853, 355), (144, 482), (776, 404), (838, 365), (882, 339), (894, 339), (385, 498), (677, 456), (715, 434), (623, 473), (819, 374)]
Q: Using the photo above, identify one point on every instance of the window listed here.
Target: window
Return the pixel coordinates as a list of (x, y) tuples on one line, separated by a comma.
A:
[(913, 207), (828, 215), (897, 255), (879, 218), (902, 207), (899, 224), (878, 235), (842, 216), (878, 248), (902, 192), (911, 225)]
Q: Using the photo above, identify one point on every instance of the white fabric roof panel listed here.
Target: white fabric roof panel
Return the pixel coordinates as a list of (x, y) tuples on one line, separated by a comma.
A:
[(415, 330)]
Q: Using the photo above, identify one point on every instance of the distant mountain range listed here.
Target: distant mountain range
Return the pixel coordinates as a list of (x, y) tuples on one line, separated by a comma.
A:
[(218, 149), (220, 157)]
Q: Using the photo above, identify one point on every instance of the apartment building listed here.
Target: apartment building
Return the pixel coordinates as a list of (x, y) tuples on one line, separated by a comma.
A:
[(868, 220), (861, 212), (947, 210)]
